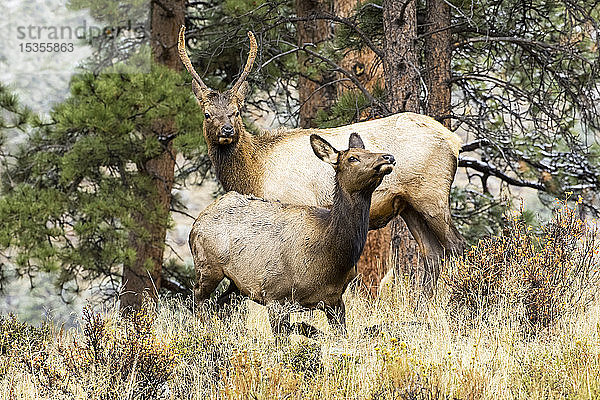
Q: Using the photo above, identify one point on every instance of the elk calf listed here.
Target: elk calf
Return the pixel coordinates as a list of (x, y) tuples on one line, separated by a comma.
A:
[(278, 253)]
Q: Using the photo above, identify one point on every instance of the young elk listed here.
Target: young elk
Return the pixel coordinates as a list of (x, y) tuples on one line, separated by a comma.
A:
[(277, 253), (271, 165)]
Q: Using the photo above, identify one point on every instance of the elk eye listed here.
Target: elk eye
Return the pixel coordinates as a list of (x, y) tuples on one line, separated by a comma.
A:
[(206, 115), (352, 159)]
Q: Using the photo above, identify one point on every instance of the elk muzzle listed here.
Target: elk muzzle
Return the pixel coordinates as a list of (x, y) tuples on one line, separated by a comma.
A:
[(226, 135), (385, 164)]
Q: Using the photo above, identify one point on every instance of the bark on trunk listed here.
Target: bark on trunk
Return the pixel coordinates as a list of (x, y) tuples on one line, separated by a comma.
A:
[(143, 277), (315, 91), (401, 62), (437, 59), (366, 66), (402, 90), (375, 260)]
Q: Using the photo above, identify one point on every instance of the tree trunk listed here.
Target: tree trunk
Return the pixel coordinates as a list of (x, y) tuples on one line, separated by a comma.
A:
[(438, 55), (375, 259), (364, 64), (315, 91), (401, 70), (143, 277), (401, 64)]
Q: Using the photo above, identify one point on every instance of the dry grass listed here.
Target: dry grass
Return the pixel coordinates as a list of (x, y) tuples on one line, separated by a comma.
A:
[(442, 349), (432, 355)]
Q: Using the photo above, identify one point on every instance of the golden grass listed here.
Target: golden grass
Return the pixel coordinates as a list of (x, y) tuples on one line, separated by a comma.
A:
[(443, 348), (418, 355)]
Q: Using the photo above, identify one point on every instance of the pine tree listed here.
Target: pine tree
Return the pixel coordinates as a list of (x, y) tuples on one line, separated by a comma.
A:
[(15, 120), (144, 274), (315, 88), (72, 197)]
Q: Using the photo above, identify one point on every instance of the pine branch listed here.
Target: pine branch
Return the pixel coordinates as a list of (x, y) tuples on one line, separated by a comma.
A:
[(345, 21), (345, 72), (474, 145), (492, 170)]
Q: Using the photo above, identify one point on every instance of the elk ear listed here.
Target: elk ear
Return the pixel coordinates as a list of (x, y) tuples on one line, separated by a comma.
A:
[(324, 150), (355, 142), (198, 92)]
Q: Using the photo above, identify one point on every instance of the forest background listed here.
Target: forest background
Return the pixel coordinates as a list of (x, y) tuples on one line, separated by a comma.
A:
[(102, 152)]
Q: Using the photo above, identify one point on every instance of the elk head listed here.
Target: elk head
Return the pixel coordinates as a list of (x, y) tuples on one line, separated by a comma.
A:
[(222, 122), (356, 169)]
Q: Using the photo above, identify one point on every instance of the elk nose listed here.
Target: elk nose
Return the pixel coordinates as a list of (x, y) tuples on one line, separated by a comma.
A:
[(227, 131), (389, 158)]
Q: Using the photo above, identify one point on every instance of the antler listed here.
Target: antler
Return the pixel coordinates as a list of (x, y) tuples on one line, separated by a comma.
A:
[(186, 60), (249, 62)]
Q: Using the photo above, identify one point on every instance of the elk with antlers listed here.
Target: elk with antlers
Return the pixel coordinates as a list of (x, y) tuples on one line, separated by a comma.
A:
[(271, 165)]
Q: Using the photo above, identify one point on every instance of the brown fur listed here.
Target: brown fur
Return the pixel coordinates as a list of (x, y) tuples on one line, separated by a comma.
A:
[(273, 166), (277, 253)]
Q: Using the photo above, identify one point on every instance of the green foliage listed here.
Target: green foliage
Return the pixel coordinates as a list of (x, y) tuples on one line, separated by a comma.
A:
[(305, 357), (368, 19), (243, 7), (113, 12), (119, 35), (13, 115), (350, 107), (476, 215), (72, 193), (107, 358), (345, 110), (220, 51)]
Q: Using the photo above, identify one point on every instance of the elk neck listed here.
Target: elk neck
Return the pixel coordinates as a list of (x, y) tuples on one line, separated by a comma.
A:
[(348, 223), (238, 166)]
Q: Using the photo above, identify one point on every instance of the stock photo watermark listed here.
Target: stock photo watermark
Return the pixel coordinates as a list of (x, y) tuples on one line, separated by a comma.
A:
[(36, 38), (51, 37)]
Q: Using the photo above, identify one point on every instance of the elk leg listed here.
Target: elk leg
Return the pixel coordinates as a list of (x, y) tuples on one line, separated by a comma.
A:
[(279, 319), (231, 308), (429, 246), (206, 283), (207, 277), (227, 297), (447, 234), (336, 316)]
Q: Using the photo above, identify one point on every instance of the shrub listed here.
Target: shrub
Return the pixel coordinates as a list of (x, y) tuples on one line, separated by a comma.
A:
[(110, 359), (405, 375), (23, 343), (17, 336), (203, 352), (305, 357), (547, 272)]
